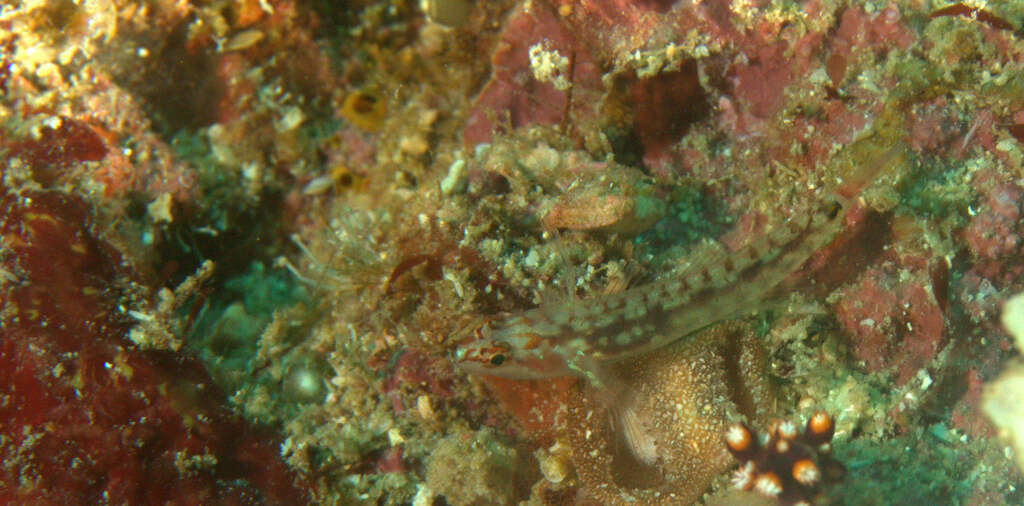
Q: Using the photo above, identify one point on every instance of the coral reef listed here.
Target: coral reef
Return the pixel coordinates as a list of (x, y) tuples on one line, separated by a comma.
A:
[(246, 246)]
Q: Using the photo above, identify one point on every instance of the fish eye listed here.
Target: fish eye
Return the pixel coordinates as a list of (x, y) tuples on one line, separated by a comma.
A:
[(833, 210), (498, 359)]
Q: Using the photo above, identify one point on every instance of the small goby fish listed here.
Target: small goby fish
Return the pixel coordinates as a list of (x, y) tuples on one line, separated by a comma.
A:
[(575, 337)]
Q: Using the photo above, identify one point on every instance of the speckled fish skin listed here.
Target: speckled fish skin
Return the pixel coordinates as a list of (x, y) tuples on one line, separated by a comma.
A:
[(574, 337)]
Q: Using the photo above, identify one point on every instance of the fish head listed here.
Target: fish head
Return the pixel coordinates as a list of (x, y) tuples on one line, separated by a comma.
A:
[(505, 348)]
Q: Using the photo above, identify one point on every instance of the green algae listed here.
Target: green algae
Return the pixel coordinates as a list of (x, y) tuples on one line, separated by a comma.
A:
[(916, 468), (691, 216), (227, 332), (937, 188)]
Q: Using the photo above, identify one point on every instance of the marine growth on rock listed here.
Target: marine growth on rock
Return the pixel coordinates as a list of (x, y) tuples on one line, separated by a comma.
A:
[(540, 252)]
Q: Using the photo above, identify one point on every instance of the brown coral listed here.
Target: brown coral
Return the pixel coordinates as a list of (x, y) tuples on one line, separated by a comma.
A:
[(660, 441)]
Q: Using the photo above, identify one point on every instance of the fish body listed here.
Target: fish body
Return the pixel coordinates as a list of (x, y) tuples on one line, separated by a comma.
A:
[(575, 337)]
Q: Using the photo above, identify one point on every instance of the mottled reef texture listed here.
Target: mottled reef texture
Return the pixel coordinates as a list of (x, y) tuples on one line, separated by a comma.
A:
[(242, 241)]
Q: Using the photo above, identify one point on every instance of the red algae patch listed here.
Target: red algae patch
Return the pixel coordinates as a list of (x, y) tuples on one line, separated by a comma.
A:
[(136, 427)]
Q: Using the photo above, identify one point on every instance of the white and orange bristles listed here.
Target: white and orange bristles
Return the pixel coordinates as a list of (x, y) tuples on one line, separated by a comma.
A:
[(820, 430), (806, 472), (787, 464), (768, 484), (786, 430), (740, 440), (743, 478)]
